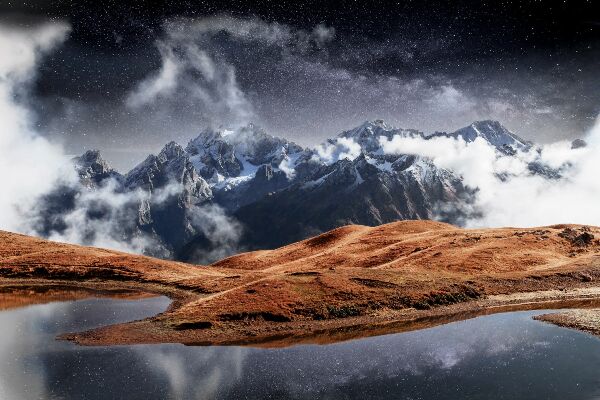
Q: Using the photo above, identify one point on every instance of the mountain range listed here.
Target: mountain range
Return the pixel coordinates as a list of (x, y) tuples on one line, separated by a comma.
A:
[(259, 191), (350, 282)]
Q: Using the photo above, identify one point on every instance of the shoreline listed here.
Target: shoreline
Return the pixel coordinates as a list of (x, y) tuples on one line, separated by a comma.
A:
[(271, 335), (352, 282), (153, 330), (580, 319)]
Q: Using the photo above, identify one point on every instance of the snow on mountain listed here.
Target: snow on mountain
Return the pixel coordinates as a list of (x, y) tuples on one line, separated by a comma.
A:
[(281, 192), (369, 133), (213, 157), (171, 166), (227, 158), (491, 131), (364, 139)]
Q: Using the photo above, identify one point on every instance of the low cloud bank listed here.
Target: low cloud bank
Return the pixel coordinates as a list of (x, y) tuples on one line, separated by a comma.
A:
[(509, 192)]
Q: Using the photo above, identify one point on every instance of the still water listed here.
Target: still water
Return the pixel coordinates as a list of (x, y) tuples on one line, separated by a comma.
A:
[(502, 356)]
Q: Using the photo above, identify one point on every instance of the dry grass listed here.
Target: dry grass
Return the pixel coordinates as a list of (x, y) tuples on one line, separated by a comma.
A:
[(351, 276)]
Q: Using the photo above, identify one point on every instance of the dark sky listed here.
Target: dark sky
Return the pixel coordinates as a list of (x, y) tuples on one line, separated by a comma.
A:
[(129, 78)]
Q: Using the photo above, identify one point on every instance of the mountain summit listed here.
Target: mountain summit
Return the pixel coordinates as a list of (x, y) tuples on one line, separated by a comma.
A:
[(492, 132)]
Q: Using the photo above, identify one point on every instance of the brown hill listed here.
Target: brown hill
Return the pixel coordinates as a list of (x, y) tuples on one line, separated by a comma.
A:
[(348, 282)]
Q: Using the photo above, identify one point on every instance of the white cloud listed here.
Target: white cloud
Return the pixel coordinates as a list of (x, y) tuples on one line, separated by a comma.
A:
[(448, 98), (162, 84), (29, 164), (191, 76), (509, 194), (222, 231), (194, 72), (115, 226), (338, 149), (287, 166), (323, 34), (32, 167)]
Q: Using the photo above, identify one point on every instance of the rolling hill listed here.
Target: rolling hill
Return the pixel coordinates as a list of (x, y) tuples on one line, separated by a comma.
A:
[(348, 282)]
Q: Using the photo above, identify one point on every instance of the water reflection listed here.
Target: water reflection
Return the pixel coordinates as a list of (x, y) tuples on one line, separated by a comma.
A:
[(498, 356), (36, 366)]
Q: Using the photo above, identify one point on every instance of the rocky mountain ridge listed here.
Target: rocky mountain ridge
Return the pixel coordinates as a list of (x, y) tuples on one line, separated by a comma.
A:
[(278, 192)]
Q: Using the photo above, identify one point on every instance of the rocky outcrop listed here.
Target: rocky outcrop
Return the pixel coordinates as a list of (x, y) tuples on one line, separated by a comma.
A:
[(174, 187), (93, 169), (578, 143)]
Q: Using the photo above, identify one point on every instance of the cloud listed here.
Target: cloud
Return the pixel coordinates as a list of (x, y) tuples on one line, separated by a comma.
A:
[(323, 34), (448, 98), (195, 73), (338, 149), (106, 217), (476, 162), (222, 232), (508, 192), (29, 164), (162, 84), (31, 167), (33, 170), (191, 76)]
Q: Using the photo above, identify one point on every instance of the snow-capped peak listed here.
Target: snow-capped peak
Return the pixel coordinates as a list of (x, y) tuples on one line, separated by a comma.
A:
[(491, 131), (93, 168), (170, 151), (368, 134), (231, 156), (93, 162), (367, 129)]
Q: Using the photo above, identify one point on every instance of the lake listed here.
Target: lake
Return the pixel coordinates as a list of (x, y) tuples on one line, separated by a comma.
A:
[(501, 356)]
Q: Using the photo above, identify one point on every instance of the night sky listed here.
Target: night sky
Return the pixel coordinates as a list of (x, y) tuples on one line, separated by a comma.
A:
[(130, 78)]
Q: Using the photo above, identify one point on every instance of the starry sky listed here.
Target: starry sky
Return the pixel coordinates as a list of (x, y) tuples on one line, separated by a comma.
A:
[(129, 78)]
